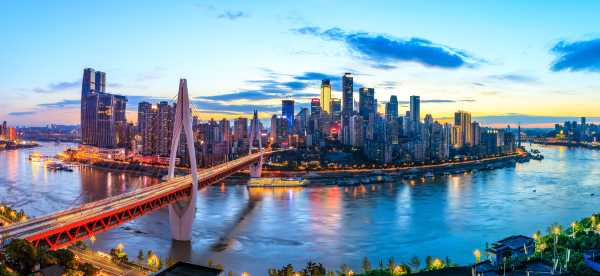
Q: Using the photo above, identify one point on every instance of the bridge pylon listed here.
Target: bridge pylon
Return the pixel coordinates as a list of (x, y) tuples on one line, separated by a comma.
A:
[(183, 212), (255, 168)]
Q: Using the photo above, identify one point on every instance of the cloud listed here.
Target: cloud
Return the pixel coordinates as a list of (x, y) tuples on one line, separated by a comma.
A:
[(233, 15), (383, 50), (577, 56), (222, 108), (315, 76), (515, 78), (257, 95), (61, 104), (516, 118), (439, 101), (154, 74), (57, 87), (132, 102), (21, 113)]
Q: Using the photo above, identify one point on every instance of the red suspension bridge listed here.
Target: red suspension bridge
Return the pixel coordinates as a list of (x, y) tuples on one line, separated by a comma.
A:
[(63, 228)]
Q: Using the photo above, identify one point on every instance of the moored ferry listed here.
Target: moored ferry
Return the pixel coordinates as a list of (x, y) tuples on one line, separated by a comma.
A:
[(277, 182)]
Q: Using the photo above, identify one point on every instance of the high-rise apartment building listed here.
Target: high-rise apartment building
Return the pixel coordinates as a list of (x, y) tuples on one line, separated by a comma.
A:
[(326, 95), (155, 126), (240, 135), (475, 134), (462, 120), (3, 131), (103, 116)]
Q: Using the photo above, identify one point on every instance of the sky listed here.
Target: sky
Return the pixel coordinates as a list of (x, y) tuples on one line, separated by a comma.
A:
[(531, 62)]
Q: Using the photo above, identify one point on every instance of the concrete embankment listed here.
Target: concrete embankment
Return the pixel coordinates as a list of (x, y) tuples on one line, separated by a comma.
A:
[(365, 176)]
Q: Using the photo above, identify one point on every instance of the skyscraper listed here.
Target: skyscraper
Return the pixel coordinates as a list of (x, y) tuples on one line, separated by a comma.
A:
[(391, 108), (287, 112), (475, 134), (367, 106), (336, 109), (103, 117), (315, 107), (347, 106), (3, 131), (100, 83), (240, 135), (415, 109), (462, 120), (326, 95), (347, 93)]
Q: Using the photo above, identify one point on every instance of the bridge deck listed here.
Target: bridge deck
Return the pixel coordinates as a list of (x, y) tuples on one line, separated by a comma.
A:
[(62, 228)]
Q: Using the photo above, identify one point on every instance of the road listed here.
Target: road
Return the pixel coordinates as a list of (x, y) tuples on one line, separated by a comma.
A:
[(44, 224), (107, 266)]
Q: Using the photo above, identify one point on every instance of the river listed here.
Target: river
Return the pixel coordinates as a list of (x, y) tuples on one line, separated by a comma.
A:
[(447, 216)]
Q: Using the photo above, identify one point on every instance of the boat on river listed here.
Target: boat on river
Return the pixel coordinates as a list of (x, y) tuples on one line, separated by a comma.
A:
[(54, 166), (277, 182)]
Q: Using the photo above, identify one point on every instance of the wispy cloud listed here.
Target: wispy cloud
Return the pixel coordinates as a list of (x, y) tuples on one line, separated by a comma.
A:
[(154, 74), (516, 118), (522, 78), (233, 15), (61, 104), (382, 51), (440, 101), (57, 87), (21, 113), (577, 56), (223, 108)]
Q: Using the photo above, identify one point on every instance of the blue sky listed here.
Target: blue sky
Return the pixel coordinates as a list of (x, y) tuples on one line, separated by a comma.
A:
[(532, 62)]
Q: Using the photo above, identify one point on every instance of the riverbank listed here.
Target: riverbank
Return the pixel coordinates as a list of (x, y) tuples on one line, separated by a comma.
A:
[(15, 146), (340, 177), (350, 177), (575, 144)]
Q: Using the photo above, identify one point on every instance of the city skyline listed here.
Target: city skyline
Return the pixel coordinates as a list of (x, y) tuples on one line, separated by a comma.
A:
[(533, 70)]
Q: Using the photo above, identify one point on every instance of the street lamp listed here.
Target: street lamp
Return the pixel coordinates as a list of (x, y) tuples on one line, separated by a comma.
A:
[(92, 241), (477, 255)]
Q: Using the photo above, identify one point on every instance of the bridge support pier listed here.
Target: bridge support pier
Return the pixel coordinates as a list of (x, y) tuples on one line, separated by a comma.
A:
[(256, 168), (182, 213)]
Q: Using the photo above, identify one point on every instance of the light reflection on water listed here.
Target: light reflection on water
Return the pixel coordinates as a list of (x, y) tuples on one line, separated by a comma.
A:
[(262, 228)]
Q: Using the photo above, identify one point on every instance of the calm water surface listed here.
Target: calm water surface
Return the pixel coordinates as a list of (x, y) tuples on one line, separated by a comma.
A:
[(448, 216)]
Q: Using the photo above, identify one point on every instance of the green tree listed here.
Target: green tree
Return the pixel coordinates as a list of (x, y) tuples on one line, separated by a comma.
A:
[(415, 263), (344, 269), (89, 269), (287, 270), (366, 264), (4, 271), (140, 256), (66, 259), (391, 264), (428, 262), (46, 258), (21, 255), (160, 264), (314, 269), (170, 261)]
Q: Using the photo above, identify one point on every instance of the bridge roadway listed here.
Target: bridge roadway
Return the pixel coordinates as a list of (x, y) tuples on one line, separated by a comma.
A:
[(62, 228)]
